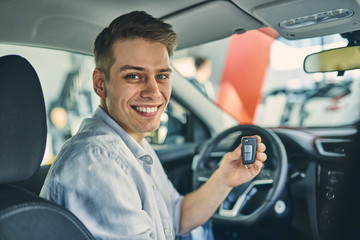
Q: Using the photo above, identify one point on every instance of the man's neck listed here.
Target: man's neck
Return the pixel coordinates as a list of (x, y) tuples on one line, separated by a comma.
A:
[(137, 136)]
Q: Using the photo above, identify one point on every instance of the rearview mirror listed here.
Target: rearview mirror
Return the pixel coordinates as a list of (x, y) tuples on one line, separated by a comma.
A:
[(339, 59)]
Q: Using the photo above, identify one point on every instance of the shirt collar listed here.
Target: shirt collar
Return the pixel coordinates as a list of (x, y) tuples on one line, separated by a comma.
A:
[(136, 149)]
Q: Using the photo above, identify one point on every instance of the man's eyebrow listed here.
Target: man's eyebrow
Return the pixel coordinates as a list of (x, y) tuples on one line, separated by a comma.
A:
[(129, 67), (165, 70)]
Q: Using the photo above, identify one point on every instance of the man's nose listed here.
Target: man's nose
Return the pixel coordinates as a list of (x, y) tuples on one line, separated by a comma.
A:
[(151, 88)]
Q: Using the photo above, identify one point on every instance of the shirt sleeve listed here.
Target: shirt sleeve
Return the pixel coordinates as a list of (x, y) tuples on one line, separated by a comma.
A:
[(83, 187)]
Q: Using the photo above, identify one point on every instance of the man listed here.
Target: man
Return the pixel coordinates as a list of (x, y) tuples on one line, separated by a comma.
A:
[(202, 76), (107, 174)]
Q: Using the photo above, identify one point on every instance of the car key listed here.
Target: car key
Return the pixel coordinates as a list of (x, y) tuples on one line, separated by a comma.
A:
[(248, 150)]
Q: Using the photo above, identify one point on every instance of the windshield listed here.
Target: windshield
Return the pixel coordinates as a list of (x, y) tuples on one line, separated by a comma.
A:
[(259, 79), (256, 79)]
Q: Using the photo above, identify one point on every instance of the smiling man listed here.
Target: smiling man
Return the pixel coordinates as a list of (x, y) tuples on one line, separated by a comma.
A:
[(107, 174), (140, 89)]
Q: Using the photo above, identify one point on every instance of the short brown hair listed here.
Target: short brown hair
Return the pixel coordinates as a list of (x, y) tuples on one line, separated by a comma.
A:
[(136, 24)]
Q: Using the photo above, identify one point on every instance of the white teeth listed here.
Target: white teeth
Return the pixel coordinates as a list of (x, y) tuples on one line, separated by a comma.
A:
[(146, 110)]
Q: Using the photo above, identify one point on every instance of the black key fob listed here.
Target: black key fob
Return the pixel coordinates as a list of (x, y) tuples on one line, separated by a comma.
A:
[(248, 150)]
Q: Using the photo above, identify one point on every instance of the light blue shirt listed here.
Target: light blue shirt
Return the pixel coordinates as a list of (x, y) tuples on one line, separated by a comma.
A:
[(115, 186)]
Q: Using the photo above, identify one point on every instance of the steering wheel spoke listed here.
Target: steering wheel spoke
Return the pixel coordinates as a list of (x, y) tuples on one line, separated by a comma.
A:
[(243, 198), (266, 174)]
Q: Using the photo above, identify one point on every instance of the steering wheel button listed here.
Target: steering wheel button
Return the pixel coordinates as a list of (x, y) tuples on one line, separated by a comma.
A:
[(280, 207)]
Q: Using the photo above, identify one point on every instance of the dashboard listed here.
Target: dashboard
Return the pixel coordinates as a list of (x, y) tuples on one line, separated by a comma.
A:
[(318, 160)]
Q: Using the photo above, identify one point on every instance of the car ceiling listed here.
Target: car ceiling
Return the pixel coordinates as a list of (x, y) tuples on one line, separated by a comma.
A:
[(73, 25)]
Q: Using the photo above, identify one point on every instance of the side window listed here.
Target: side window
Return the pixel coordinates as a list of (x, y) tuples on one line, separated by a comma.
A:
[(67, 87), (177, 126)]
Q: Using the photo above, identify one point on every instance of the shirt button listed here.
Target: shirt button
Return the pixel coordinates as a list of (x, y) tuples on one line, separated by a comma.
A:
[(154, 187), (148, 159), (167, 231)]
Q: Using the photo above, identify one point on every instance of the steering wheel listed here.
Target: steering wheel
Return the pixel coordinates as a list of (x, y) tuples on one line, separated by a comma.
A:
[(249, 202)]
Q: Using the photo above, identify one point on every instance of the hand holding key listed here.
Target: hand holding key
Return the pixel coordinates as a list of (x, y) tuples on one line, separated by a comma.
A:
[(244, 163)]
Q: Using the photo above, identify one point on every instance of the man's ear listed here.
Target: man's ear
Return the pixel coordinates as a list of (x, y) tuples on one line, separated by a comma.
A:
[(99, 83)]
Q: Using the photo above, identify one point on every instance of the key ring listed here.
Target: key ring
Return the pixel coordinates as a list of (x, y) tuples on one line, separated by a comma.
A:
[(248, 166)]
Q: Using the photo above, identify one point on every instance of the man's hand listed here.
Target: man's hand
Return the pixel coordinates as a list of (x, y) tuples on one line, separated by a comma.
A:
[(234, 172), (200, 205)]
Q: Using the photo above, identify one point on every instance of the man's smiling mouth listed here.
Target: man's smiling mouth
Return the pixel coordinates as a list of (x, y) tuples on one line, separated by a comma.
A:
[(147, 109)]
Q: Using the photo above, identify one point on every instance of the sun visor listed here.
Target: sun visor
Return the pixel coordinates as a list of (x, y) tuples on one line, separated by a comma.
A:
[(194, 24)]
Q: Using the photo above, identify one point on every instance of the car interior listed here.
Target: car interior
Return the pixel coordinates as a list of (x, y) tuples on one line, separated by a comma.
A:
[(286, 70)]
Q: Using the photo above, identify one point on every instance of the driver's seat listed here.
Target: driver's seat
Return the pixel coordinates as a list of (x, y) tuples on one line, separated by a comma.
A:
[(23, 131)]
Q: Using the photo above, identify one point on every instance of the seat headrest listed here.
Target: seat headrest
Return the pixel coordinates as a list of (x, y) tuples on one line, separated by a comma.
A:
[(22, 120)]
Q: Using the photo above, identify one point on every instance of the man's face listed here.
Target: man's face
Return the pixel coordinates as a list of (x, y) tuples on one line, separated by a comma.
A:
[(139, 88)]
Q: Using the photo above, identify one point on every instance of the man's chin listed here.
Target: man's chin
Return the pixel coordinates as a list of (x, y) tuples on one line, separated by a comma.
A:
[(150, 128)]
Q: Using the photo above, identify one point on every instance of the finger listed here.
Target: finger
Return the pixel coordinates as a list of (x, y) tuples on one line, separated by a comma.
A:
[(261, 156), (236, 154), (258, 138), (256, 167), (261, 147)]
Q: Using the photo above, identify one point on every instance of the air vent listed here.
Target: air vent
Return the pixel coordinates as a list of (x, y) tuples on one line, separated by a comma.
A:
[(333, 147)]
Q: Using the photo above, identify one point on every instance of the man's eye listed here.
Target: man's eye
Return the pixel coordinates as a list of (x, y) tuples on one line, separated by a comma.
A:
[(132, 76), (162, 76)]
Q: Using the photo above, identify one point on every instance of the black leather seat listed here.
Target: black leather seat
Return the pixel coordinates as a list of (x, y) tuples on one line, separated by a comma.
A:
[(24, 215), (35, 183)]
